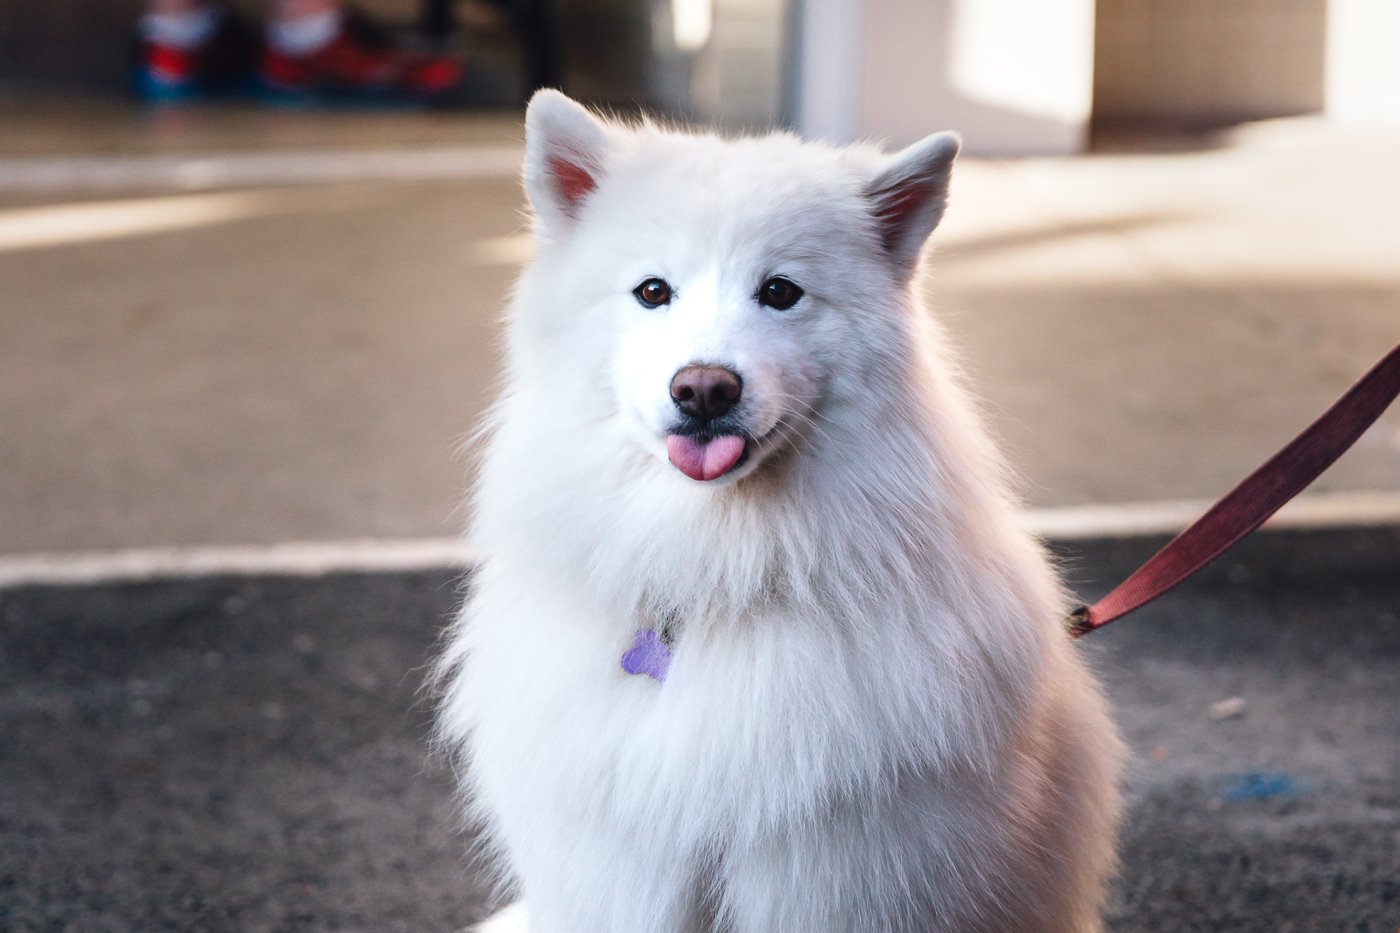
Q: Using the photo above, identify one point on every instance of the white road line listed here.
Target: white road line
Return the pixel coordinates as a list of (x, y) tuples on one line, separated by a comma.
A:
[(314, 558), (1359, 509), (292, 559), (252, 169)]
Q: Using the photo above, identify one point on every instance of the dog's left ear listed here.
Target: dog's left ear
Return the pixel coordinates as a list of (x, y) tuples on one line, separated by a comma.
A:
[(565, 151), (908, 193)]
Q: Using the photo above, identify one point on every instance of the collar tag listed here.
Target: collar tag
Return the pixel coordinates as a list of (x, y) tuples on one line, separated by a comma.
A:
[(648, 655)]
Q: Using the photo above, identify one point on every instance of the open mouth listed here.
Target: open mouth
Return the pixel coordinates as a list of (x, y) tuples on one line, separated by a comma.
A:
[(706, 457)]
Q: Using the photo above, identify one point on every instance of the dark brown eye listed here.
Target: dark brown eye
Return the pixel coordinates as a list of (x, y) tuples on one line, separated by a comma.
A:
[(653, 293), (779, 293)]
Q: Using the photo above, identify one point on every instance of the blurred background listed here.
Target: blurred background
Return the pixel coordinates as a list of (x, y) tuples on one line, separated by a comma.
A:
[(246, 324), (251, 317)]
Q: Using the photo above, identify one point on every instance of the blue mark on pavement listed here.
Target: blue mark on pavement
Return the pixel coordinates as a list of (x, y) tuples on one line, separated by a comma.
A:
[(1260, 785)]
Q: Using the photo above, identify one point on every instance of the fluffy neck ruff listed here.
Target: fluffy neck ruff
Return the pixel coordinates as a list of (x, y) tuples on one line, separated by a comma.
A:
[(888, 535), (895, 510)]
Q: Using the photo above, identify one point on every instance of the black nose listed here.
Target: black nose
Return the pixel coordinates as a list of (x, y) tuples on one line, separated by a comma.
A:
[(706, 392)]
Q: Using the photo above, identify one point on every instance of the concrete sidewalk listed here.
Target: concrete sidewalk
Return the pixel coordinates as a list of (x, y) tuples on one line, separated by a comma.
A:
[(270, 362)]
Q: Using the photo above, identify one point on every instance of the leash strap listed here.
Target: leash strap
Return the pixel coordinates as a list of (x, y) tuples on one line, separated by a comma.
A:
[(1250, 504)]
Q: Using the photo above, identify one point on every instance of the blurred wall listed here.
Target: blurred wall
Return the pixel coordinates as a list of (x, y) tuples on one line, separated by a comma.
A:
[(1209, 61), (608, 52), (1013, 76), (1363, 61), (737, 77), (65, 43)]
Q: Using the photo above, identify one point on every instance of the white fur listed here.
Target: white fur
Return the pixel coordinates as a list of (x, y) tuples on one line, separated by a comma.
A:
[(873, 721)]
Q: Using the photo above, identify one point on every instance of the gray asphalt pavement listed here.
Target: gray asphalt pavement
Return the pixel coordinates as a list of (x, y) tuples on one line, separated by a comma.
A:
[(248, 754)]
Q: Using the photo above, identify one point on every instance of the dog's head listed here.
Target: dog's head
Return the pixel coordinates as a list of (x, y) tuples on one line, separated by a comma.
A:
[(716, 300)]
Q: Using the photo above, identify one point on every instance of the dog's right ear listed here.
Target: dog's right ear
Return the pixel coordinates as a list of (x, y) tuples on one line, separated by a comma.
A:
[(908, 195), (565, 151)]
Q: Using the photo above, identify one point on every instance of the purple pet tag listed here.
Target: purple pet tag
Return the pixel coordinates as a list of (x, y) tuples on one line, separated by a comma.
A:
[(648, 655)]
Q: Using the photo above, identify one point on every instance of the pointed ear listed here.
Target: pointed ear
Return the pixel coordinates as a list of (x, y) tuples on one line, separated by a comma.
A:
[(908, 193), (565, 151)]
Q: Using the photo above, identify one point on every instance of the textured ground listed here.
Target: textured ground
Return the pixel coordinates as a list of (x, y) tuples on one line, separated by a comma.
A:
[(267, 361), (248, 754)]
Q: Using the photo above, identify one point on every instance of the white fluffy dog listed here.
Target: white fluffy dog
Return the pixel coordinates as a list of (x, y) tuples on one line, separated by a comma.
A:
[(755, 643)]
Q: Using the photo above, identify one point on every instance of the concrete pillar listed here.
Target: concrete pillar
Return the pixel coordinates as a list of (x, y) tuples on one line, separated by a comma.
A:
[(1013, 76), (1363, 62)]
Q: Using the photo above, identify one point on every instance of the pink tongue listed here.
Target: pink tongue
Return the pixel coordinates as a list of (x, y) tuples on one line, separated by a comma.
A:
[(705, 460)]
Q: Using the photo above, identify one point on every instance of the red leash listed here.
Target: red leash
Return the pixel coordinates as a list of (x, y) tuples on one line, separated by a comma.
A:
[(1250, 504)]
